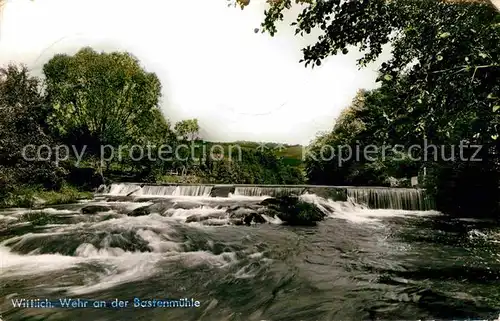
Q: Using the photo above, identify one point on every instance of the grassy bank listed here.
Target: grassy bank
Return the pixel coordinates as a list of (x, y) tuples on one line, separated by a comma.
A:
[(30, 197), (292, 155), (187, 179)]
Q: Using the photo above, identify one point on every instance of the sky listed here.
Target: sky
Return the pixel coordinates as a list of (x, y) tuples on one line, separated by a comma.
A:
[(241, 85)]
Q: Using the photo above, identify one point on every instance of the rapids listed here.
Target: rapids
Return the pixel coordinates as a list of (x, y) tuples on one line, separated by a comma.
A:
[(360, 263)]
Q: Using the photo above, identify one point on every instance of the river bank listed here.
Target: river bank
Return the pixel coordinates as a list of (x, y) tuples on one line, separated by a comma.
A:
[(33, 196)]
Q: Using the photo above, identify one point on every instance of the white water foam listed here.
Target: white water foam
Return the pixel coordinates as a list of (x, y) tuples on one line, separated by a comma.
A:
[(356, 213), (129, 267), (230, 198), (7, 218), (119, 266), (182, 214), (267, 191), (122, 266), (123, 189), (20, 211), (12, 264), (158, 190)]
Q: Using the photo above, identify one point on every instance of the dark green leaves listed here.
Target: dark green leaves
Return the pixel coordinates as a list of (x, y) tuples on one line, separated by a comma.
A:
[(103, 98)]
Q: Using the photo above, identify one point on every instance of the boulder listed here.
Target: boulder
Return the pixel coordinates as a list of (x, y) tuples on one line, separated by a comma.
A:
[(255, 218), (94, 209), (159, 208), (222, 190), (117, 199), (243, 215), (186, 205), (270, 201), (293, 211), (198, 218), (333, 193), (140, 211)]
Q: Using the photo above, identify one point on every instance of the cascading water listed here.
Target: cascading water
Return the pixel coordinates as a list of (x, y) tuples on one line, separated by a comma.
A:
[(123, 189), (195, 190), (159, 190), (156, 190), (268, 191), (371, 197), (391, 198)]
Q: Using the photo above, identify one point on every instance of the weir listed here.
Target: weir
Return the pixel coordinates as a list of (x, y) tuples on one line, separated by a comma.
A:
[(391, 198), (134, 189), (123, 189), (372, 197), (267, 191)]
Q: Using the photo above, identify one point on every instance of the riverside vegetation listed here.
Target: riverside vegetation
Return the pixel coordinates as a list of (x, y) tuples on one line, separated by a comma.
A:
[(93, 99), (441, 84)]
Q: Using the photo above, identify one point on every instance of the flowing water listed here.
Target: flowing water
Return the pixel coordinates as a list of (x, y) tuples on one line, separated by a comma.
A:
[(357, 264)]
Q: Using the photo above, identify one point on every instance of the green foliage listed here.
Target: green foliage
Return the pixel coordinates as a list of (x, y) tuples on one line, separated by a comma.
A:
[(254, 167), (38, 218), (21, 124), (157, 131), (337, 157), (19, 197), (444, 54), (440, 85), (100, 98), (36, 195), (188, 129), (93, 99), (291, 155), (66, 194)]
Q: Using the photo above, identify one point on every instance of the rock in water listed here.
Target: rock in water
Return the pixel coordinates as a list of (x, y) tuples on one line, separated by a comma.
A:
[(269, 201), (254, 218), (222, 191), (293, 211), (198, 218), (159, 208), (94, 209), (117, 199), (141, 211), (186, 205), (242, 215)]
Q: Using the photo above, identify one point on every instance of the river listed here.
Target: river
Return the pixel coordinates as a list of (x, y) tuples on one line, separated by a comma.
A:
[(358, 264)]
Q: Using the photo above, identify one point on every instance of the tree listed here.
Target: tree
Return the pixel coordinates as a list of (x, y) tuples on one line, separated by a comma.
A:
[(254, 167), (441, 83), (22, 132), (451, 45), (338, 157), (154, 138), (100, 98), (187, 129), (158, 131)]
